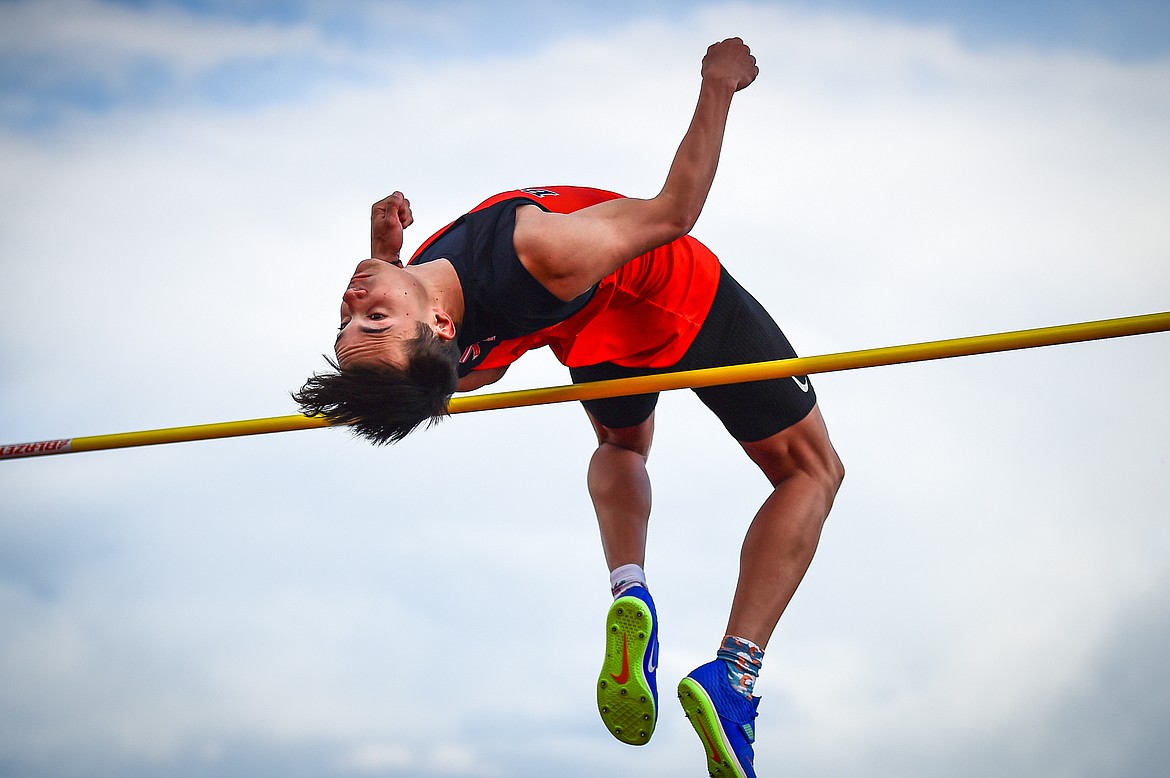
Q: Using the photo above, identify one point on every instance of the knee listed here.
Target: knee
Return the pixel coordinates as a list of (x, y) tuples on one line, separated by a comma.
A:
[(803, 452), (636, 439), (815, 456), (821, 467), (618, 480), (831, 473)]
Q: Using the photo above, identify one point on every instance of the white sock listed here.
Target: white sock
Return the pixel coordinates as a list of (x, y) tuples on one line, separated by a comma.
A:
[(626, 577)]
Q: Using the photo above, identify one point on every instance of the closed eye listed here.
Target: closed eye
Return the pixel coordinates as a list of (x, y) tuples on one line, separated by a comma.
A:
[(366, 330)]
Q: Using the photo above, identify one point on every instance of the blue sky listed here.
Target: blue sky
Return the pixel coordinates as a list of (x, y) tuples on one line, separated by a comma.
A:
[(186, 188), (1127, 29), (37, 90)]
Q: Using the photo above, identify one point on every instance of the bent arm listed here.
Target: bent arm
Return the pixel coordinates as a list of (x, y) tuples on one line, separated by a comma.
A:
[(569, 253), (477, 379)]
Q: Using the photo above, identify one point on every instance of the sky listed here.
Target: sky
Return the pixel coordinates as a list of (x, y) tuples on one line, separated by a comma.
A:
[(185, 188)]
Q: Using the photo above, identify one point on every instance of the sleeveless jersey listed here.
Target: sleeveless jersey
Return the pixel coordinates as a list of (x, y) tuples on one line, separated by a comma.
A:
[(644, 314)]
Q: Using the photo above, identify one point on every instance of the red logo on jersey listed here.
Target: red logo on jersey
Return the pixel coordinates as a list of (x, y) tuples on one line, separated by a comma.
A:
[(472, 352)]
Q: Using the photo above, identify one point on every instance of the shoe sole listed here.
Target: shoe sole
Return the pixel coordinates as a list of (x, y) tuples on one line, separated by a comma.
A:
[(626, 704), (700, 711)]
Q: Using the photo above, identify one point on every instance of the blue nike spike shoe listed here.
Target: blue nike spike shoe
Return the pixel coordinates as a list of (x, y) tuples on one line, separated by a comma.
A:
[(627, 688), (723, 719)]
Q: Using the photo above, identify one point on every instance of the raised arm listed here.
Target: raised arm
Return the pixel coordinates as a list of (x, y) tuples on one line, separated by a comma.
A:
[(568, 253)]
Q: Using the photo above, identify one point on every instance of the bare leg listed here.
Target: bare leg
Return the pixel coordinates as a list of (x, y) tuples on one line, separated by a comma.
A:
[(627, 696), (620, 488), (805, 473)]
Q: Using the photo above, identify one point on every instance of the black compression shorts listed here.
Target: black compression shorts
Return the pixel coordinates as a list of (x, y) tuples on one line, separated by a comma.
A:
[(737, 331)]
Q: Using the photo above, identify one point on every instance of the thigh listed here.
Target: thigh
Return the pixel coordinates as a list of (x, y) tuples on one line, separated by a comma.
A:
[(738, 331), (616, 412)]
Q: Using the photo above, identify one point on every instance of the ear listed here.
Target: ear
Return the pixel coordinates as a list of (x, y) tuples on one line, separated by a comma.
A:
[(444, 324)]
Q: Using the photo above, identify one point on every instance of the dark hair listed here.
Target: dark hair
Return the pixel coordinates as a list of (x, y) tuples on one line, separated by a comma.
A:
[(384, 403)]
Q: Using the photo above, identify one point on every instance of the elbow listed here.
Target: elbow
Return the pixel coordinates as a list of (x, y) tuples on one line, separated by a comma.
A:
[(673, 224), (677, 217), (477, 379), (683, 223)]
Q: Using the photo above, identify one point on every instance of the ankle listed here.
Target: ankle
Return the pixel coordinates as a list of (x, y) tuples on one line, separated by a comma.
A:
[(626, 577), (743, 659)]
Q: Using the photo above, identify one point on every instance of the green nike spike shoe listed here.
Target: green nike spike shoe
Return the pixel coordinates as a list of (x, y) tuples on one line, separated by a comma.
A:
[(627, 688)]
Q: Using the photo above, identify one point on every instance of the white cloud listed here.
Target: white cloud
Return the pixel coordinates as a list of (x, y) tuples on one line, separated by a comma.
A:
[(378, 757), (109, 40)]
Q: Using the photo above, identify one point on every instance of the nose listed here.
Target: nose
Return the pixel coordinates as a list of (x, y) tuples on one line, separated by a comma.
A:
[(352, 295)]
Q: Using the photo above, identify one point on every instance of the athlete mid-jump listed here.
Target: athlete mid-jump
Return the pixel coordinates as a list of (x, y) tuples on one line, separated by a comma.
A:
[(616, 287)]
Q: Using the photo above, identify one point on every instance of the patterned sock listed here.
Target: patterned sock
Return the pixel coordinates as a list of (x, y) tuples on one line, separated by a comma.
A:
[(744, 660), (625, 578)]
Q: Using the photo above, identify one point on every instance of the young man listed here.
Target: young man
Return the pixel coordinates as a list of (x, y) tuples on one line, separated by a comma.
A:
[(615, 287)]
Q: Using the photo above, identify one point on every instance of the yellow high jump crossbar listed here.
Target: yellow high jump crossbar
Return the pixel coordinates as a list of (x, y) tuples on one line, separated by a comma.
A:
[(784, 368)]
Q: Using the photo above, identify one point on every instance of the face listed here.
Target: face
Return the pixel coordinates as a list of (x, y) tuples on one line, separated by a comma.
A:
[(380, 310)]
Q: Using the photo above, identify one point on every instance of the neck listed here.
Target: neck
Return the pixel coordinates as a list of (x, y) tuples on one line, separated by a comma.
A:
[(442, 286)]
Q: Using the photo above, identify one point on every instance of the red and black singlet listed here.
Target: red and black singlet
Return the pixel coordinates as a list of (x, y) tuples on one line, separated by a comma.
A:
[(645, 314)]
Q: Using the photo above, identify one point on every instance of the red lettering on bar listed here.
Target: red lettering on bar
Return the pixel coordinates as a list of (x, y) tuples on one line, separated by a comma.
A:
[(38, 448)]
